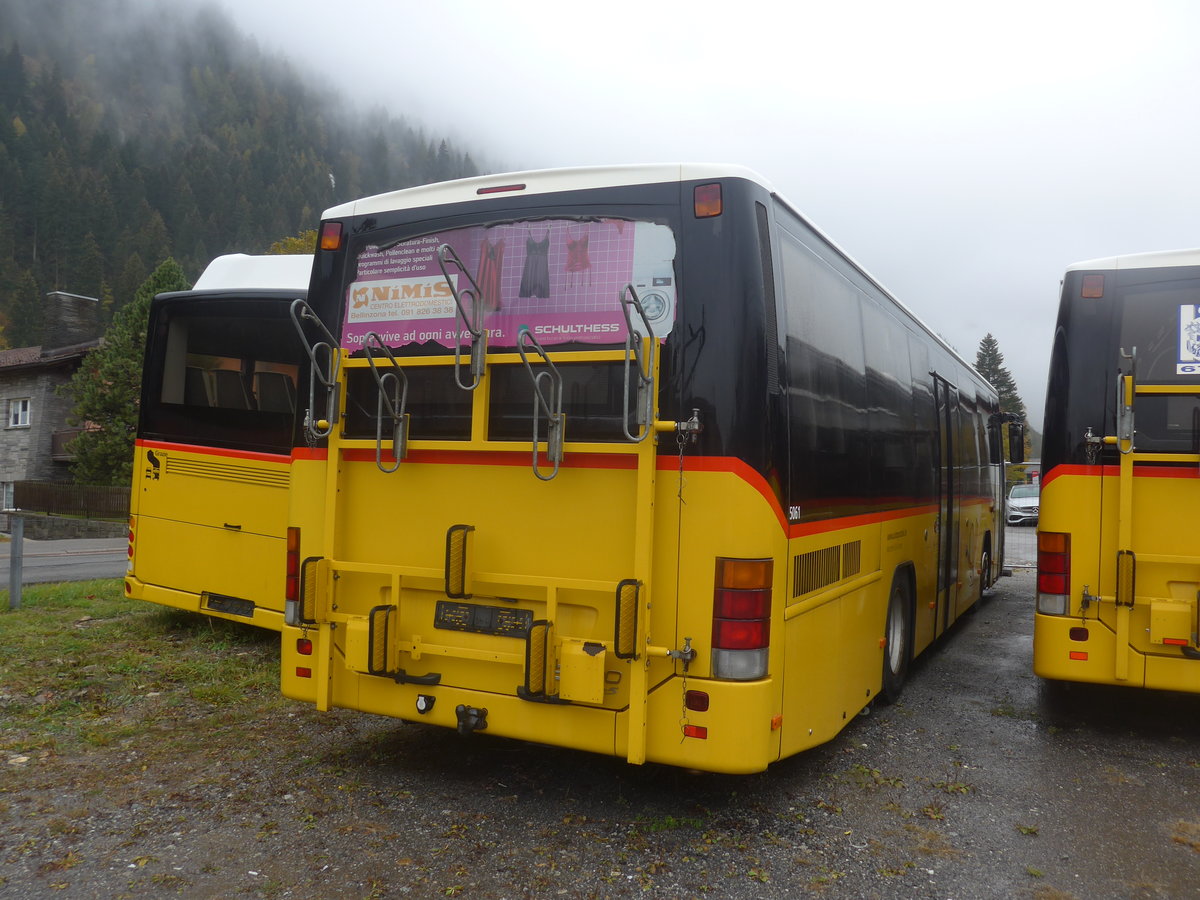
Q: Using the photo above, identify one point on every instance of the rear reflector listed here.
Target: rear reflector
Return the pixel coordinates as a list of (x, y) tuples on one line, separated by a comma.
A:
[(303, 672), (1080, 655), (695, 731)]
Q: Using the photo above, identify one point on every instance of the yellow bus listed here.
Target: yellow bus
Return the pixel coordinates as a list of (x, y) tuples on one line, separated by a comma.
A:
[(1118, 567), (627, 459), (217, 428)]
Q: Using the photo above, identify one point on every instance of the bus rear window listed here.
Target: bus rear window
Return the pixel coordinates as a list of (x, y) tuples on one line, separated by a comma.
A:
[(562, 278), (1163, 323)]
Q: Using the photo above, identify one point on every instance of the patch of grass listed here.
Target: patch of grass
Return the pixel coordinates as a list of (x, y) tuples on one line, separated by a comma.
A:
[(82, 665)]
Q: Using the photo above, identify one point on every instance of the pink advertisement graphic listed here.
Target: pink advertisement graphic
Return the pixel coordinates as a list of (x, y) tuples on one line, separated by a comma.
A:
[(562, 278)]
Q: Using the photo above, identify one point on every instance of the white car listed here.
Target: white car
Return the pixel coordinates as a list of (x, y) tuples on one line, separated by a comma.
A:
[(1023, 504)]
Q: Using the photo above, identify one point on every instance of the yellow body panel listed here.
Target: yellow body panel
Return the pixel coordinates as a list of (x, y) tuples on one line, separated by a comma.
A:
[(208, 531)]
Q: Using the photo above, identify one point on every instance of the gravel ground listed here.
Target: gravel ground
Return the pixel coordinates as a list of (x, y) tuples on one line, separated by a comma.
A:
[(979, 783)]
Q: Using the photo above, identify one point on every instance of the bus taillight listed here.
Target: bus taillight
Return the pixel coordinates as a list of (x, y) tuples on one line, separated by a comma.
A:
[(129, 551), (291, 595), (1054, 573), (741, 618)]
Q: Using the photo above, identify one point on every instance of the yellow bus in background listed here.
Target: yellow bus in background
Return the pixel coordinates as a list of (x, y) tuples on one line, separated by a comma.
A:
[(217, 427), (1118, 565), (630, 459)]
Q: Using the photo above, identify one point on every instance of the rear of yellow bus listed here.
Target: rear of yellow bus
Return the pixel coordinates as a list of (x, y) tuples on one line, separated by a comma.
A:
[(543, 506), (1118, 564), (212, 466)]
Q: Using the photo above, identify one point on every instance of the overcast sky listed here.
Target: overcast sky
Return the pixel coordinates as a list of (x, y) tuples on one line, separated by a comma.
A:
[(964, 153)]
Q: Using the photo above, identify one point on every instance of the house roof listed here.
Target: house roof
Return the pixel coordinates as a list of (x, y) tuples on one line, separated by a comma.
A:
[(23, 358)]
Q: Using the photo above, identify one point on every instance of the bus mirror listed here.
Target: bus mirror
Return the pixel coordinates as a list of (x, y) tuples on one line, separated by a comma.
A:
[(1016, 443)]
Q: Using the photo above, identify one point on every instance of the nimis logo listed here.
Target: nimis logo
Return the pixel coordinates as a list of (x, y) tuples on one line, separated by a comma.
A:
[(400, 298)]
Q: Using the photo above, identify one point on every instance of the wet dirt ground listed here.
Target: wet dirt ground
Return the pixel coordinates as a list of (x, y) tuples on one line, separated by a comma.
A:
[(979, 783)]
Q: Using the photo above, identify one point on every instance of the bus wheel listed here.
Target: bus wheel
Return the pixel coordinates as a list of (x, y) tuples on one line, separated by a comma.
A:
[(897, 640)]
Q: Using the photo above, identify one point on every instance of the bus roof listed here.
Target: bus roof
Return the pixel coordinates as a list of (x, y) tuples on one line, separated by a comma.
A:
[(238, 271), (1159, 259), (540, 181)]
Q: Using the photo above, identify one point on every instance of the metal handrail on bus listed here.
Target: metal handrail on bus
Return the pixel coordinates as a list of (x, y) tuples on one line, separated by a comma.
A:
[(645, 368), (316, 429), (551, 406), (396, 403), (472, 323)]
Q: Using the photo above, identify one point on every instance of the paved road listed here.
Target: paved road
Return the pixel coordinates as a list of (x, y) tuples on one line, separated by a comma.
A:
[(74, 560)]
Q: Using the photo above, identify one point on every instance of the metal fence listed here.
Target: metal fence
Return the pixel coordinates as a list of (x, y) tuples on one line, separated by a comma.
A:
[(1020, 546), (88, 501)]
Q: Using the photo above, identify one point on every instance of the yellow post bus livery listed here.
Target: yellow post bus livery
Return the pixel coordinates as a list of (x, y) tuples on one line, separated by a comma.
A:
[(217, 428), (1118, 566), (630, 459)]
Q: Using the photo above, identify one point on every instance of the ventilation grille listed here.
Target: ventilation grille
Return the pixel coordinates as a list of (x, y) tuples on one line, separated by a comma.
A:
[(851, 558), (227, 472), (820, 568)]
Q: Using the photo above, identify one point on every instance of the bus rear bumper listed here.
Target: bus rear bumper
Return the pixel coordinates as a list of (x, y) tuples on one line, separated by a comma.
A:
[(136, 589), (1059, 656), (737, 734)]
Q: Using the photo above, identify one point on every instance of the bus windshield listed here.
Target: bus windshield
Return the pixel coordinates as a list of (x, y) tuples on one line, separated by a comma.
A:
[(561, 277)]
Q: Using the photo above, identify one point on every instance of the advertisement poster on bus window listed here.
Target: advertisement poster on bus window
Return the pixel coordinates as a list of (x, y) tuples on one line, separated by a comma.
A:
[(562, 278), (1189, 340)]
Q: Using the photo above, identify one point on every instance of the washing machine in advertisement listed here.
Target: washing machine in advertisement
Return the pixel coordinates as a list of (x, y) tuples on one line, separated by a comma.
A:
[(654, 275)]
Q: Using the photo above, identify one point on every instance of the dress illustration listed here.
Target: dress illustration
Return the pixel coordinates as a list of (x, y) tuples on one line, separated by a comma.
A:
[(577, 257), (491, 258), (535, 279)]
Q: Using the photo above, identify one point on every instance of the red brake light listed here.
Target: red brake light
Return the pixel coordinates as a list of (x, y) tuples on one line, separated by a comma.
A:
[(741, 634), (304, 646), (292, 570), (741, 604), (1054, 563), (501, 189)]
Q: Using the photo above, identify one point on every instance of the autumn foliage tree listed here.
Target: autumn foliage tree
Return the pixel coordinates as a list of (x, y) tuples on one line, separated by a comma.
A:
[(106, 389)]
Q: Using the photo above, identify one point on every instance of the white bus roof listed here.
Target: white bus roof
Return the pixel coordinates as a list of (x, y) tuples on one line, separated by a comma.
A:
[(540, 181), (1159, 259), (237, 271)]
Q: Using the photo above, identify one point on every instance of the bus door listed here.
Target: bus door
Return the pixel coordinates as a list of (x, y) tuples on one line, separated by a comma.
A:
[(946, 398)]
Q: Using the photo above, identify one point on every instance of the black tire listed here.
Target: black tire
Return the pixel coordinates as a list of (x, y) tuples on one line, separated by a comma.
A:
[(897, 649)]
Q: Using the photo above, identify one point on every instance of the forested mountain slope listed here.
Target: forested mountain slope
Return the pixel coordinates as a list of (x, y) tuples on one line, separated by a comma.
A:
[(134, 130)]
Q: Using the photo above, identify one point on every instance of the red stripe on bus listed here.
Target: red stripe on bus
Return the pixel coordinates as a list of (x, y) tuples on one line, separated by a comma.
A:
[(1140, 470), (214, 451), (664, 463)]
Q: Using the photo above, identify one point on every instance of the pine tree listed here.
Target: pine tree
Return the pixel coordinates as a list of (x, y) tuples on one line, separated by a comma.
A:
[(989, 362), (107, 387)]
